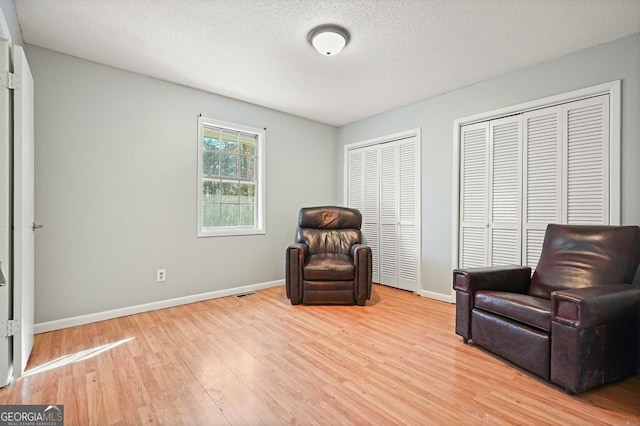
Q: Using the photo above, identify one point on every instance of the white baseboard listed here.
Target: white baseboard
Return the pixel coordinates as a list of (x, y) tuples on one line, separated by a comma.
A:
[(43, 327), (437, 296)]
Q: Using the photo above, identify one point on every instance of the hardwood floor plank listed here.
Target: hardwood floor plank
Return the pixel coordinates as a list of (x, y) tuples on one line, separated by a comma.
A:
[(259, 360)]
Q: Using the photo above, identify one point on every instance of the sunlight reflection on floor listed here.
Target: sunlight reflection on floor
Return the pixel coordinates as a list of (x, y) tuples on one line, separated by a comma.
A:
[(75, 357)]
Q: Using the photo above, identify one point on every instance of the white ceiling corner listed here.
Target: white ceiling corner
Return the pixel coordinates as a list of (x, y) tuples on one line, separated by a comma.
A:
[(401, 51)]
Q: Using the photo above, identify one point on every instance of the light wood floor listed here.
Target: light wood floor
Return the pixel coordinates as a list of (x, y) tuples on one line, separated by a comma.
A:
[(259, 360)]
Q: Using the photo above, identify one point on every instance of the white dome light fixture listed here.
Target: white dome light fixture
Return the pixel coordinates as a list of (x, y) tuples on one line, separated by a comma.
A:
[(329, 40)]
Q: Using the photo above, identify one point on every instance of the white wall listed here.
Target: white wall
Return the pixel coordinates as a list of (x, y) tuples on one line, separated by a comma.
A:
[(116, 173), (616, 60)]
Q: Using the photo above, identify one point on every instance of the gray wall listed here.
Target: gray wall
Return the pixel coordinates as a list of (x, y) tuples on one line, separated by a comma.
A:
[(116, 174), (612, 61)]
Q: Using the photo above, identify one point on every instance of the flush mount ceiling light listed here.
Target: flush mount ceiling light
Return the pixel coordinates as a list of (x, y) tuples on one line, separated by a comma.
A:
[(329, 40)]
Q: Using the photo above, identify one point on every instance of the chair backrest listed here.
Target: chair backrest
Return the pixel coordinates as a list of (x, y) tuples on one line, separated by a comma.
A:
[(329, 229), (576, 256)]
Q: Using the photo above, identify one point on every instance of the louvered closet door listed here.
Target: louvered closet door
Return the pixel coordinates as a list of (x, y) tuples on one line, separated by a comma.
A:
[(363, 194), (564, 151), (474, 193), (504, 247), (355, 191), (371, 208), (389, 220), (542, 178), (586, 161), (384, 183), (408, 228), (566, 169)]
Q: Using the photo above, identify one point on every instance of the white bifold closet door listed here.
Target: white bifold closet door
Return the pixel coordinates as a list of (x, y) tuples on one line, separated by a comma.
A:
[(364, 195), (522, 172), (389, 214), (383, 183), (490, 193), (504, 191), (566, 163), (408, 214), (474, 195), (542, 170)]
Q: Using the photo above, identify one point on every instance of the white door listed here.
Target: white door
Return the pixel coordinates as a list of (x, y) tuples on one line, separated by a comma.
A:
[(389, 214), (5, 217), (408, 210), (355, 180), (362, 194), (23, 213), (569, 154), (474, 195), (399, 213), (371, 206), (383, 181), (504, 191), (542, 178), (587, 161), (566, 169)]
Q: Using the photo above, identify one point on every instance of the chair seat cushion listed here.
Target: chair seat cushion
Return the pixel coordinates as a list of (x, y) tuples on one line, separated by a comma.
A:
[(530, 310), (329, 267)]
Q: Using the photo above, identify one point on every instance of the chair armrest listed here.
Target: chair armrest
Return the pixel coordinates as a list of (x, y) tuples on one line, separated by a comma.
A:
[(355, 248), (296, 254), (591, 306), (514, 279), (363, 262), (299, 246), (361, 253)]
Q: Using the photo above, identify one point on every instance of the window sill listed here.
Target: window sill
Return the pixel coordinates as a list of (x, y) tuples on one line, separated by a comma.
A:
[(230, 232)]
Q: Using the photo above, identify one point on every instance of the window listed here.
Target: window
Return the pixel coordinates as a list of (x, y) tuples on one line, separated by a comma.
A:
[(230, 179)]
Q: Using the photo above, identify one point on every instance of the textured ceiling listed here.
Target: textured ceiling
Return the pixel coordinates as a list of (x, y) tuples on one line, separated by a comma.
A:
[(401, 51)]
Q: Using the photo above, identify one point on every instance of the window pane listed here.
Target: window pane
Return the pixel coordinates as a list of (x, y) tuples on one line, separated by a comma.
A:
[(247, 169), (228, 165), (211, 139), (229, 142), (247, 193), (210, 163), (211, 215), (208, 143), (230, 192), (247, 146), (211, 191), (231, 147), (229, 215), (211, 132), (246, 216)]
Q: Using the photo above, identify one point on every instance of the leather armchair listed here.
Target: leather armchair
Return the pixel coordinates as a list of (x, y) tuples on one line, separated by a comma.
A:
[(575, 322), (328, 264)]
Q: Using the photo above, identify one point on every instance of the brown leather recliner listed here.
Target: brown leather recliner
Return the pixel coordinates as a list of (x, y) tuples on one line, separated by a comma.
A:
[(576, 322), (328, 264)]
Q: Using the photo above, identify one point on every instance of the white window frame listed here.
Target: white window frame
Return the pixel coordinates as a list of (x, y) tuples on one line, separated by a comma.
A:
[(259, 226)]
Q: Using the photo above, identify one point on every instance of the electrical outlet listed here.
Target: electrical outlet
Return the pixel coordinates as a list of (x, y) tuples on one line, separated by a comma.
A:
[(161, 275)]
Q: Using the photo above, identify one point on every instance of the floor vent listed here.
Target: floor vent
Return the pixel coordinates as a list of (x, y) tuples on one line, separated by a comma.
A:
[(250, 293)]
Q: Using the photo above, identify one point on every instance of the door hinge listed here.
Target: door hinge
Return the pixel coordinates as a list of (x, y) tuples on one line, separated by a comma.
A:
[(9, 328), (11, 81)]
